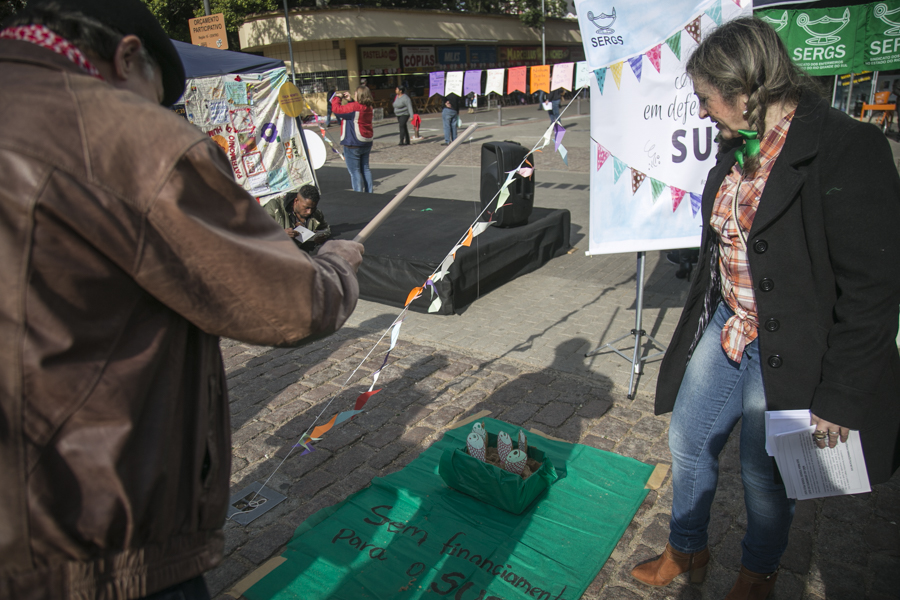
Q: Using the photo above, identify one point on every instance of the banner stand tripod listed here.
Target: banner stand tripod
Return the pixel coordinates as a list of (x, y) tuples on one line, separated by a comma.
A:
[(636, 360)]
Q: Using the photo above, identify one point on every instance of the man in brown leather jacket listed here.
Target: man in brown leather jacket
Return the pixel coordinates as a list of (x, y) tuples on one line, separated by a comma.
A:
[(126, 250)]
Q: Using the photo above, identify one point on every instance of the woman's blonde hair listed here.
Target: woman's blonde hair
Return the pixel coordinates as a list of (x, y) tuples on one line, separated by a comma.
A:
[(364, 96), (746, 56)]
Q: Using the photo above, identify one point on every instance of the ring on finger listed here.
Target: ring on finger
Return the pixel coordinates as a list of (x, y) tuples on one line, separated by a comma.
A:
[(820, 435), (835, 433)]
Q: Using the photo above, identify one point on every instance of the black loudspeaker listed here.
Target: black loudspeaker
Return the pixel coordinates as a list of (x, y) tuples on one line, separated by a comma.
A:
[(497, 159)]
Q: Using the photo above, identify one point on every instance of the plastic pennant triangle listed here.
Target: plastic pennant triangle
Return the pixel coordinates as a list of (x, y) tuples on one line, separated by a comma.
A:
[(693, 29), (677, 197), (695, 203), (455, 248), (468, 241), (600, 74), (637, 63), (617, 74), (657, 188), (435, 305), (564, 154), (714, 12), (363, 398), (501, 199), (526, 171), (602, 156), (738, 2), (545, 140), (637, 178), (481, 227), (654, 55), (618, 168), (674, 44), (395, 333), (415, 293), (308, 449), (346, 416), (321, 430), (558, 132)]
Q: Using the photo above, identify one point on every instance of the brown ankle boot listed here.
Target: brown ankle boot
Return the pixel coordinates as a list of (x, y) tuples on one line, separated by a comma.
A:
[(670, 564), (752, 586)]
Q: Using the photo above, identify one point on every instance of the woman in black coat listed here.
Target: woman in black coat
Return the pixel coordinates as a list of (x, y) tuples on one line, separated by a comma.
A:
[(794, 304)]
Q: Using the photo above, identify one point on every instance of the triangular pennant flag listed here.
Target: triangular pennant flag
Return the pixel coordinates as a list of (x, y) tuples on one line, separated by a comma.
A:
[(481, 227), (564, 154), (738, 2), (617, 74), (395, 333), (674, 44), (602, 155), (618, 168), (547, 137), (525, 171), (600, 74), (501, 199), (677, 196), (657, 188), (636, 63), (346, 415), (415, 293), (653, 55), (714, 12), (559, 132), (468, 240), (319, 431), (695, 203), (693, 28), (363, 398), (637, 178), (435, 305)]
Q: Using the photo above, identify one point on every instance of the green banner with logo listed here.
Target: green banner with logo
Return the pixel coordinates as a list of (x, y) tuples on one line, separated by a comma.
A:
[(835, 41)]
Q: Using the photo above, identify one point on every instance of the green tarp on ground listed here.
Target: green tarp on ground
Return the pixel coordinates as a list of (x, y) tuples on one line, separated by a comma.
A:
[(410, 536)]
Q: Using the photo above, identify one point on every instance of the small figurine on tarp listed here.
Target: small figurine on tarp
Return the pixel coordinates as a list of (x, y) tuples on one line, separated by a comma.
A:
[(475, 446), (515, 462), (504, 446)]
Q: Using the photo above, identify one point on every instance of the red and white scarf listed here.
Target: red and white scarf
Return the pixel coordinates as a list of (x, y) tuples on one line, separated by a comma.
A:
[(43, 37)]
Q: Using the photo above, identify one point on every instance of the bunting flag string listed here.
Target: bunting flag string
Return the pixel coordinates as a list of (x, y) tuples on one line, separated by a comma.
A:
[(600, 74), (695, 203), (677, 196), (693, 29), (674, 44), (714, 12), (636, 63), (654, 55), (637, 178), (617, 74)]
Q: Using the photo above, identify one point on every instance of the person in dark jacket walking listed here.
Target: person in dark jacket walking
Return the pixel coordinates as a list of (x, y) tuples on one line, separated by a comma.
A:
[(794, 303), (403, 110), (450, 116)]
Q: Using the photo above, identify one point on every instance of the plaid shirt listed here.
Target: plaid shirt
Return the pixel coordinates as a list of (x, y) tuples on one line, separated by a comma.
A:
[(734, 268)]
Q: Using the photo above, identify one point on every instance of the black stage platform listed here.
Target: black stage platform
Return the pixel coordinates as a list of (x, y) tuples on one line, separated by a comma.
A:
[(413, 241)]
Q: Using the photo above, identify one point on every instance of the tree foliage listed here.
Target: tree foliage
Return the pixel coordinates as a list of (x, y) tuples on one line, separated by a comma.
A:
[(10, 7)]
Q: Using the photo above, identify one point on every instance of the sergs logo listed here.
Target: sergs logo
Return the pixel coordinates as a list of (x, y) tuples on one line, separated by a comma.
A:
[(603, 23)]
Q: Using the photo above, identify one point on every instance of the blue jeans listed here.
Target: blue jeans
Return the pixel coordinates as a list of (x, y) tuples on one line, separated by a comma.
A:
[(715, 394), (554, 111), (357, 159), (451, 120)]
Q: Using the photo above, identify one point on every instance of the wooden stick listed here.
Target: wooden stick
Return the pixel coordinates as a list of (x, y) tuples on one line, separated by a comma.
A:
[(378, 219)]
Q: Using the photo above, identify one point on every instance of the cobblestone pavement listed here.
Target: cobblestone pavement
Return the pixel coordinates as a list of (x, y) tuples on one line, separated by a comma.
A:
[(523, 360)]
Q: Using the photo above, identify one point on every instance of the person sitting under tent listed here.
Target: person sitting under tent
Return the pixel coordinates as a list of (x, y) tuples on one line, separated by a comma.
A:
[(301, 210)]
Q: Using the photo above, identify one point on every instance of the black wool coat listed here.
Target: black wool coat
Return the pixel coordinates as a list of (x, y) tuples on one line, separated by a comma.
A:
[(824, 253)]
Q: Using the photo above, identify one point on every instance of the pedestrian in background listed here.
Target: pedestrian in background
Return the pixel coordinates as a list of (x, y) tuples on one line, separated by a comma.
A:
[(356, 135), (450, 115), (403, 110), (328, 96), (794, 304), (554, 99)]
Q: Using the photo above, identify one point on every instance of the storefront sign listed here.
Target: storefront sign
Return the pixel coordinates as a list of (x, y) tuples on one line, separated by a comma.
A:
[(512, 56), (451, 58), (483, 56), (379, 59), (416, 58)]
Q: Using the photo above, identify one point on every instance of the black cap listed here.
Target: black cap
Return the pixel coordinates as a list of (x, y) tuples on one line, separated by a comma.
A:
[(132, 17)]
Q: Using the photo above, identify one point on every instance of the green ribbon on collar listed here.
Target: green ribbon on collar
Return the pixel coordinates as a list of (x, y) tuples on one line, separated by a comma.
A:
[(750, 147)]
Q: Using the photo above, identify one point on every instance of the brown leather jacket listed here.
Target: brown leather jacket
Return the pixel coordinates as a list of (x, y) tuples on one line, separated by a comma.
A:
[(126, 249)]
